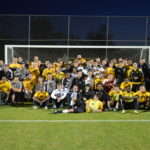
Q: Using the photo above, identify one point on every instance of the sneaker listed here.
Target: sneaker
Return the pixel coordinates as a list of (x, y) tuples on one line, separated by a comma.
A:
[(123, 111), (45, 107), (136, 111), (115, 109), (34, 107)]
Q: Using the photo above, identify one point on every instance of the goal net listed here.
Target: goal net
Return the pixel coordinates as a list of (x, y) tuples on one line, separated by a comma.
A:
[(69, 52)]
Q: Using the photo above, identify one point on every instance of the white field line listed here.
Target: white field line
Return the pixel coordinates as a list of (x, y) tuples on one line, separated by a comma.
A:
[(61, 121)]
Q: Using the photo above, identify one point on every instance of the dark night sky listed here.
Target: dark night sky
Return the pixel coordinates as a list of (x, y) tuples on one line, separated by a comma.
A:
[(77, 7)]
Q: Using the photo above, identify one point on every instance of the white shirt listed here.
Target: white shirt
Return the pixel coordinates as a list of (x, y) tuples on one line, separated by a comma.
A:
[(59, 93)]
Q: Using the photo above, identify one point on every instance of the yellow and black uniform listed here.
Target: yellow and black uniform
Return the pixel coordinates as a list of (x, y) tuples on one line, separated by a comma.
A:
[(129, 101), (115, 96), (142, 96), (93, 105), (29, 83), (5, 86), (128, 96), (125, 85), (41, 95), (47, 71), (137, 78), (110, 71), (129, 68)]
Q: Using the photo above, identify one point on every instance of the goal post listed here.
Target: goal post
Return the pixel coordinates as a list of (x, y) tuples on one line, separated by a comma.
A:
[(52, 52)]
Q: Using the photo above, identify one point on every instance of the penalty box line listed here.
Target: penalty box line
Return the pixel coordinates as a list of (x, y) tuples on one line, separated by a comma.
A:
[(63, 121)]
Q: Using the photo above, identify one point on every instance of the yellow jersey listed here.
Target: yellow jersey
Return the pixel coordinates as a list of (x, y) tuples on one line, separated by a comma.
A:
[(59, 76), (115, 95), (41, 95), (47, 71), (124, 85), (94, 105), (128, 94), (82, 60), (142, 96), (29, 84), (34, 71), (13, 66), (5, 86)]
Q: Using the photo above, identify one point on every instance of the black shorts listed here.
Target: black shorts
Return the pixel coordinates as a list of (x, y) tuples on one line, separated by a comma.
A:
[(129, 105)]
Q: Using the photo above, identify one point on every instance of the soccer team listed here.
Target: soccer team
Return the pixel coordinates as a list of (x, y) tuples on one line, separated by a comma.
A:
[(77, 85)]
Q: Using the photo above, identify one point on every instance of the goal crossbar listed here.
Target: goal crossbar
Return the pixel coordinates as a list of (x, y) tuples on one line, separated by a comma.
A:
[(42, 47)]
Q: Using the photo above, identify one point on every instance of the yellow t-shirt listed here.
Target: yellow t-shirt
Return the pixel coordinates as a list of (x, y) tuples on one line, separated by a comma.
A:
[(124, 85), (34, 71), (41, 95), (47, 71), (115, 95), (82, 60), (94, 105), (142, 96), (5, 86), (29, 84), (59, 76), (13, 66), (128, 94)]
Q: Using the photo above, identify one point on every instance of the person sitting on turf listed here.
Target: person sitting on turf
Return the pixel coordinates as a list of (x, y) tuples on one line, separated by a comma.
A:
[(75, 102), (5, 88), (115, 96), (128, 100), (58, 96), (143, 97), (16, 89), (94, 104), (40, 98)]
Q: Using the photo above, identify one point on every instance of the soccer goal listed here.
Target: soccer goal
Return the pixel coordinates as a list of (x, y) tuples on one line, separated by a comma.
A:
[(66, 52)]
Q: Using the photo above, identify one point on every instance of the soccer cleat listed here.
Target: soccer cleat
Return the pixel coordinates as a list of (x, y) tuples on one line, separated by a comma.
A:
[(46, 107), (136, 111), (115, 109), (123, 111), (34, 107)]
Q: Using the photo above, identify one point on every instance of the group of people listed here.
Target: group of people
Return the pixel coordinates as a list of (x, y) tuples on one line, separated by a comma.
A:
[(77, 85)]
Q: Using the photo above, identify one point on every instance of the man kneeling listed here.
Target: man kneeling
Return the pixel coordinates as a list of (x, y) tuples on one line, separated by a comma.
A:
[(40, 98)]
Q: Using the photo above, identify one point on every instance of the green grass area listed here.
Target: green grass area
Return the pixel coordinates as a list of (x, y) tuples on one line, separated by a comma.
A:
[(72, 135)]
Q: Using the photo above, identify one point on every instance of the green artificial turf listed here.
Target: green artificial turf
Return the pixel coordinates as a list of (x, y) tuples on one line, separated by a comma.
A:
[(72, 135)]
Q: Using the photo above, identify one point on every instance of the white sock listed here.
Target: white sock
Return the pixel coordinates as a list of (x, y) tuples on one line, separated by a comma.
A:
[(65, 111)]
